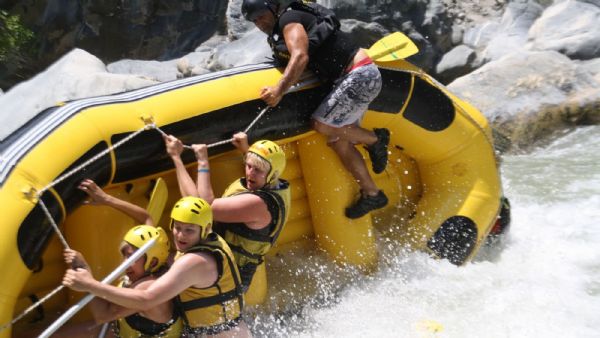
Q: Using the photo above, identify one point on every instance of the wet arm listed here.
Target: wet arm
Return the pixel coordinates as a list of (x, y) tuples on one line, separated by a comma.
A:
[(187, 271), (174, 148), (139, 214), (245, 208), (99, 197), (204, 186), (296, 41), (104, 311), (187, 187)]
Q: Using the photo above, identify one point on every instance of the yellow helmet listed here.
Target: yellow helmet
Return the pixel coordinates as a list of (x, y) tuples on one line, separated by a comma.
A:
[(193, 210), (140, 235), (272, 153)]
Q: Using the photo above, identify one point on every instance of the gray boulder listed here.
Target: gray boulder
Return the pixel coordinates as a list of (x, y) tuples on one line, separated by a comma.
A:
[(514, 26), (528, 96), (569, 27), (195, 63), (153, 70), (478, 36), (593, 2), (114, 29), (592, 66), (249, 49), (457, 62), (76, 75), (237, 26), (364, 34)]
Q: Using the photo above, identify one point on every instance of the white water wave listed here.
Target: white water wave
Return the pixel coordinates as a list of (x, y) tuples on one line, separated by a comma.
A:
[(544, 283)]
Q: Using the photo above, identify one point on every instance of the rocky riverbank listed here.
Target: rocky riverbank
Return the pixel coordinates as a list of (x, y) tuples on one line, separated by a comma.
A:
[(532, 67)]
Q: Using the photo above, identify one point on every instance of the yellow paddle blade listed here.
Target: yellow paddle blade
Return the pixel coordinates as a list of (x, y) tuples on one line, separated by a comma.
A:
[(429, 328), (392, 47), (158, 200)]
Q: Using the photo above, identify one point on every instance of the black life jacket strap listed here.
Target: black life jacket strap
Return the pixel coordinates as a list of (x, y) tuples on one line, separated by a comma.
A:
[(244, 231), (243, 252), (281, 216), (209, 301), (212, 330), (276, 208), (234, 272)]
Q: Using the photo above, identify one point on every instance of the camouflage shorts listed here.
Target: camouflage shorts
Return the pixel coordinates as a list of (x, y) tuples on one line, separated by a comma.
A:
[(350, 97)]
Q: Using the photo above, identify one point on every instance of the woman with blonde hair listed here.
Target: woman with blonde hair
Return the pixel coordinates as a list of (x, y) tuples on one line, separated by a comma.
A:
[(253, 209)]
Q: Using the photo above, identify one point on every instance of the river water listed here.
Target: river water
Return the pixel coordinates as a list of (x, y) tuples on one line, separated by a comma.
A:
[(542, 281)]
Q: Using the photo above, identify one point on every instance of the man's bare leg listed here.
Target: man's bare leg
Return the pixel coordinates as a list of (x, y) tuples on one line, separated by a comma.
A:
[(355, 164)]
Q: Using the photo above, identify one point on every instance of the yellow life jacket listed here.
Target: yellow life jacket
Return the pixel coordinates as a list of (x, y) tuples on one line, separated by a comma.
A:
[(250, 246), (144, 327), (218, 307)]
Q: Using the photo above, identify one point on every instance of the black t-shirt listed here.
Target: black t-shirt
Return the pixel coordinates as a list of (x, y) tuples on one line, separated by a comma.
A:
[(307, 20), (327, 57)]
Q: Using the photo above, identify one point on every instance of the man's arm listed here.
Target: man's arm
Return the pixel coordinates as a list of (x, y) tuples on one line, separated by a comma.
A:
[(198, 270), (296, 41), (240, 141), (99, 197), (203, 185), (245, 208), (187, 187), (102, 310)]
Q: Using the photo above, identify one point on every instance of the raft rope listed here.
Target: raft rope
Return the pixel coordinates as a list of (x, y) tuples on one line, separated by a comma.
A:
[(218, 143), (32, 307), (38, 196), (93, 159)]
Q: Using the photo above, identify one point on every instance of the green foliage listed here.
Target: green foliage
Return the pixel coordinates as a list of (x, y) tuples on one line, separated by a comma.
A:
[(14, 37)]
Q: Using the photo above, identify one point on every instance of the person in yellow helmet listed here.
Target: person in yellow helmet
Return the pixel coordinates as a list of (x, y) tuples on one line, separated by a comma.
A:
[(124, 322), (253, 209), (204, 278), (162, 320)]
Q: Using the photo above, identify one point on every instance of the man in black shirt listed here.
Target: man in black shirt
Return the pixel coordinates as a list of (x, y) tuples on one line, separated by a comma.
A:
[(308, 36)]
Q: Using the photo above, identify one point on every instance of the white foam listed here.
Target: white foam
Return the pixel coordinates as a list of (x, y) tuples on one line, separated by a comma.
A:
[(545, 283)]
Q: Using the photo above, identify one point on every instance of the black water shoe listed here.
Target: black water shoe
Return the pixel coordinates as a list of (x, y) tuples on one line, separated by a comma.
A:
[(378, 150), (365, 204)]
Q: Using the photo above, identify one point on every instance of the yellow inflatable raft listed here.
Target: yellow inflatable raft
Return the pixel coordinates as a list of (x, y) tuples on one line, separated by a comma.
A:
[(442, 178)]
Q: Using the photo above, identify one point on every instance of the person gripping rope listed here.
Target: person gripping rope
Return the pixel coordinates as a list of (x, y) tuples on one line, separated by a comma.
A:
[(97, 196), (204, 278), (253, 210), (161, 320), (307, 35)]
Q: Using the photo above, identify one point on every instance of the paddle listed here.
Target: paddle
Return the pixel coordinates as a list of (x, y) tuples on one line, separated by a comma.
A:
[(392, 47), (158, 199)]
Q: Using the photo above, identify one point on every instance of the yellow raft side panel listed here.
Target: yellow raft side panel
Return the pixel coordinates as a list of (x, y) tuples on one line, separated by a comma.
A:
[(456, 166), (331, 189)]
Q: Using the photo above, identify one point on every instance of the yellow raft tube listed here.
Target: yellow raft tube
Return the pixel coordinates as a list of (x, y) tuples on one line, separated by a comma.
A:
[(442, 179)]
